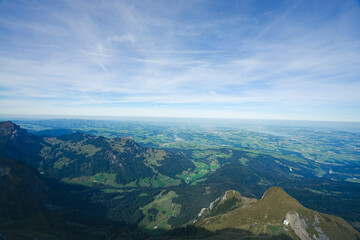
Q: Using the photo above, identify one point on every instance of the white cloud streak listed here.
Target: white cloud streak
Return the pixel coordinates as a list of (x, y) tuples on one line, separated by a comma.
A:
[(90, 52)]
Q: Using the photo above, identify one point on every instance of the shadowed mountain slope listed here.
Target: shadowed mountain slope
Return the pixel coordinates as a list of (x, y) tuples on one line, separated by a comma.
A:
[(17, 143), (29, 209), (22, 191)]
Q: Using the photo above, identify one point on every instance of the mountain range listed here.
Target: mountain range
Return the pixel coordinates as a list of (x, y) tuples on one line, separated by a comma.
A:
[(75, 155), (79, 186)]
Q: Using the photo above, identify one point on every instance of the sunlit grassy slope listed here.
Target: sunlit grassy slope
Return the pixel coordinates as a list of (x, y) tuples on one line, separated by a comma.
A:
[(266, 216)]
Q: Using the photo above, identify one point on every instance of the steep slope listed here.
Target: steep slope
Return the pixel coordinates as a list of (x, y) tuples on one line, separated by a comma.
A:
[(17, 143), (22, 191), (27, 210), (277, 213), (25, 205)]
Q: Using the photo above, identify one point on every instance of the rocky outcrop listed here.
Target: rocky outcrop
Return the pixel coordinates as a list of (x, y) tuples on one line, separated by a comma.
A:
[(300, 227), (229, 201)]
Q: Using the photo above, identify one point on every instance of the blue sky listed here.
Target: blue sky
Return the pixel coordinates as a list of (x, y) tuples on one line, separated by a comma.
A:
[(295, 60)]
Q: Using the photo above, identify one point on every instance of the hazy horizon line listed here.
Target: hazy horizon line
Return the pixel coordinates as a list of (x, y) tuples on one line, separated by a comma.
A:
[(120, 117)]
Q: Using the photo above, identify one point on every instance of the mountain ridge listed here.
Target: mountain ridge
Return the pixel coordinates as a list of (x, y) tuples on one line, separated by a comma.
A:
[(277, 212), (78, 154), (114, 166)]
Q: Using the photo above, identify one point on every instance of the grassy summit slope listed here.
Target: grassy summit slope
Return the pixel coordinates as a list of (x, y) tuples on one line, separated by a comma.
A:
[(266, 216)]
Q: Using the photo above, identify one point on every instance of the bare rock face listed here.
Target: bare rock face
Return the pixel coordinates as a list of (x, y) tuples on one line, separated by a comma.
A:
[(322, 235), (6, 128), (300, 226)]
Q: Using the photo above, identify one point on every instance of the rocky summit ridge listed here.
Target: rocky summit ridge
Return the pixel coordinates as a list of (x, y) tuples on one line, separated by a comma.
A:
[(278, 214)]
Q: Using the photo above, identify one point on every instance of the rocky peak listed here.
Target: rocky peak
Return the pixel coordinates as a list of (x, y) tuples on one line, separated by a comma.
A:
[(7, 127), (229, 201), (231, 194), (10, 131)]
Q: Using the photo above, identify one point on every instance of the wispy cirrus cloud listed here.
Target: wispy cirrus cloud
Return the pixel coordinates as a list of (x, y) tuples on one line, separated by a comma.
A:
[(176, 54)]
